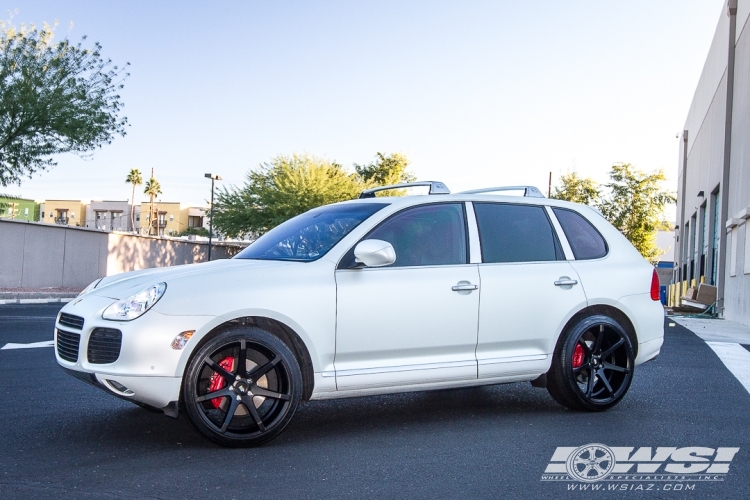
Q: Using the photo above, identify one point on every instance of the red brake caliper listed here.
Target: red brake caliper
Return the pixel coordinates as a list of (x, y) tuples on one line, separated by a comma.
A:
[(577, 356), (217, 382)]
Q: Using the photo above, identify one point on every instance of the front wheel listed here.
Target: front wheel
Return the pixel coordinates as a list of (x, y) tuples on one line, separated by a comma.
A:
[(592, 366), (242, 387)]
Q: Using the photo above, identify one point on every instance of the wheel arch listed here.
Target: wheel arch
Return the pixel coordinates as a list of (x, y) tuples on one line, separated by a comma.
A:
[(606, 310), (277, 328)]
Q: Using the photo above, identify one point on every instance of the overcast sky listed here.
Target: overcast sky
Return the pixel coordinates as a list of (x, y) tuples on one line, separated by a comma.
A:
[(475, 93)]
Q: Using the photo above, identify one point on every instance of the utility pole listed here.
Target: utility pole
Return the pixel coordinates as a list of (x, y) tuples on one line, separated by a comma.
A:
[(152, 212), (549, 186), (213, 178)]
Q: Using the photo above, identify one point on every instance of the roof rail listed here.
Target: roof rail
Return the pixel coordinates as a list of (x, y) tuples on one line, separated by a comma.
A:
[(435, 188), (529, 191)]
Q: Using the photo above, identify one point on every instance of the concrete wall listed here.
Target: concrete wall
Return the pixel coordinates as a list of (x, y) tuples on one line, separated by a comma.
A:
[(713, 71), (34, 255), (705, 126), (737, 288)]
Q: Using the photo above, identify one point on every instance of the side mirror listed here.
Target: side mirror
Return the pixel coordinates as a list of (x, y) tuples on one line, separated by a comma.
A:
[(374, 253)]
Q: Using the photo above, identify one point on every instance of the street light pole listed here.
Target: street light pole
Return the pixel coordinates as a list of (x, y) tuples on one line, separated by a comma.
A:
[(213, 178)]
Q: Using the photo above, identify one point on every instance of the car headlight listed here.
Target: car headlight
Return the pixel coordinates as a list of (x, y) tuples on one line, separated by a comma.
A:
[(93, 285), (136, 305)]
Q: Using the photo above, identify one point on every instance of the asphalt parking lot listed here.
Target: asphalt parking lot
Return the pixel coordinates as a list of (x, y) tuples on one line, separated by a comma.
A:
[(65, 439)]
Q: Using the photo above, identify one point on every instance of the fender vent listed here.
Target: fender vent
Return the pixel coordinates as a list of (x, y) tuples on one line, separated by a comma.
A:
[(104, 345)]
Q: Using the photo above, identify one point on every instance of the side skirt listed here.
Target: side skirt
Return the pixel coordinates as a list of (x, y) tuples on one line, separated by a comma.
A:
[(423, 387)]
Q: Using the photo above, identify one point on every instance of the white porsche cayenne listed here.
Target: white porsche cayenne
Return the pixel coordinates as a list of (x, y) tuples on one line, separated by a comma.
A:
[(374, 296)]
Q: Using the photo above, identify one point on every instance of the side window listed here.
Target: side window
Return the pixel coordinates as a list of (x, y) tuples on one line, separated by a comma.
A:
[(515, 233), (584, 239), (427, 235)]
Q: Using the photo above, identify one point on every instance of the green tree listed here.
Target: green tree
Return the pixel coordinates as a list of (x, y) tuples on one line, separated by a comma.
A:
[(387, 169), (576, 189), (290, 185), (280, 189), (136, 179), (152, 189), (198, 231), (633, 202), (635, 205), (55, 97)]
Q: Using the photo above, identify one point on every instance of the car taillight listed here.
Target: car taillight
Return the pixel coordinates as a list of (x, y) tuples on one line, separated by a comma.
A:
[(655, 295)]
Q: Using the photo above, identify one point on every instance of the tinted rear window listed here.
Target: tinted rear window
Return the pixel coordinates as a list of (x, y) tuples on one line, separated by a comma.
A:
[(584, 239), (515, 233)]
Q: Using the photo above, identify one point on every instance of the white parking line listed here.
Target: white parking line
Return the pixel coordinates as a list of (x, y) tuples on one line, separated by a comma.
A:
[(736, 358), (46, 343)]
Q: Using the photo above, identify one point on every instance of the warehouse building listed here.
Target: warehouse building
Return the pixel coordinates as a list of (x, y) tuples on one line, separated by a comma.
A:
[(712, 240)]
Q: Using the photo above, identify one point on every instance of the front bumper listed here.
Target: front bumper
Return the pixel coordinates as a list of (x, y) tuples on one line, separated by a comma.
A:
[(147, 371), (151, 392)]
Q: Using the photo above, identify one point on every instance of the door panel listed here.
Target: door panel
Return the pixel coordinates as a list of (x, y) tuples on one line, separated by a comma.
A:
[(401, 326), (528, 290), (521, 314)]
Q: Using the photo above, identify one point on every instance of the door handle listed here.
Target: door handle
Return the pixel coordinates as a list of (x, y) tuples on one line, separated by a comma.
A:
[(565, 281), (464, 287)]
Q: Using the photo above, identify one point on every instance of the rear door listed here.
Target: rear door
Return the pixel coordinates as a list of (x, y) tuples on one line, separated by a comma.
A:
[(529, 290)]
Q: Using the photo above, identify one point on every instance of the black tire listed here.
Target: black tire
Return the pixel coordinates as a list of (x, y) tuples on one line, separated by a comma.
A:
[(595, 375), (250, 405)]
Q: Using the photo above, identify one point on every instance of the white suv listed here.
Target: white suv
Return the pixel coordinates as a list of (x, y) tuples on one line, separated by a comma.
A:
[(375, 296)]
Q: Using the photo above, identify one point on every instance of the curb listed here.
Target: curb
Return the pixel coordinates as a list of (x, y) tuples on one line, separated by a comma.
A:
[(36, 298), (35, 301)]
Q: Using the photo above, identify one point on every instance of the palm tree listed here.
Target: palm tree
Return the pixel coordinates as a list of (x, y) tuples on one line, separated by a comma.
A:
[(134, 178), (153, 189)]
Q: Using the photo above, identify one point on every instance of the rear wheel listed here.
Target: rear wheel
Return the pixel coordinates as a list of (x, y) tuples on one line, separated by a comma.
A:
[(242, 387), (592, 366)]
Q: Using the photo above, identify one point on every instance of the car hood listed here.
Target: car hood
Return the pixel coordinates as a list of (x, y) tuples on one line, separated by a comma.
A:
[(123, 285)]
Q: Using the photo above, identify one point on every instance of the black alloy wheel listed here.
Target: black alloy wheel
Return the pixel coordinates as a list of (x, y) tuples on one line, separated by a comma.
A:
[(592, 366), (242, 387)]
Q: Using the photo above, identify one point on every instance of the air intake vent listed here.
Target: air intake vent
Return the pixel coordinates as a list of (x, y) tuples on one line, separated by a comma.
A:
[(71, 321), (104, 345), (67, 345)]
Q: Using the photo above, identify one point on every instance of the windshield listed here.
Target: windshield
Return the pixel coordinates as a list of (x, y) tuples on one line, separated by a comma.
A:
[(311, 235)]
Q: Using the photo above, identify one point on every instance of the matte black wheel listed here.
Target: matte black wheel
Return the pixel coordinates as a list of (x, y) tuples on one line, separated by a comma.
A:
[(242, 387), (592, 366)]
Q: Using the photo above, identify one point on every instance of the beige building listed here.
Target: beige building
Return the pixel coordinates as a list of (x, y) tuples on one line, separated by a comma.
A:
[(196, 217), (173, 218), (63, 212)]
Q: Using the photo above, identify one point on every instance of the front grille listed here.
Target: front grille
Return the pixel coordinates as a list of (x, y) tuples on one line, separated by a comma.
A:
[(71, 321), (67, 345), (104, 345)]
